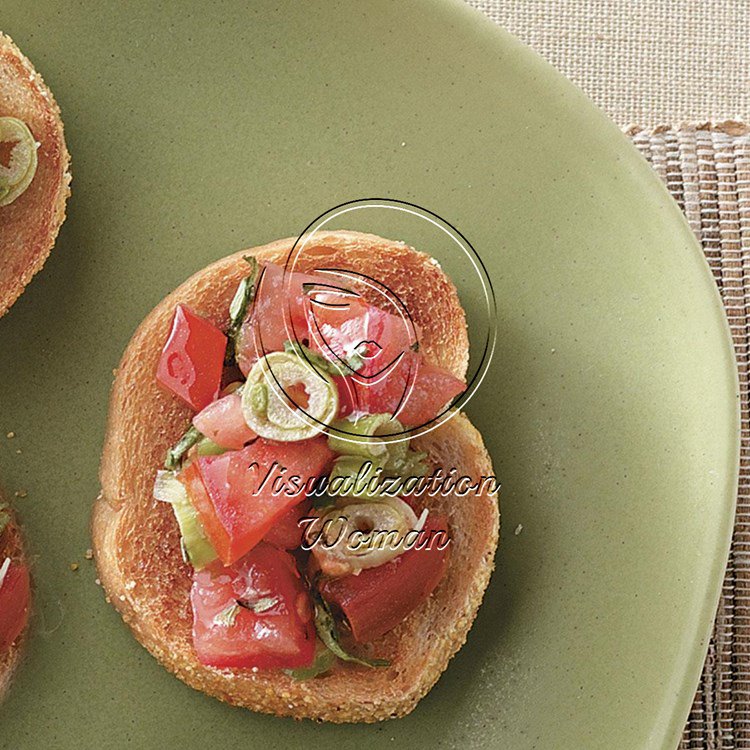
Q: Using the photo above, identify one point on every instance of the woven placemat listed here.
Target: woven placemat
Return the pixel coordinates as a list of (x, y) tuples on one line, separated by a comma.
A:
[(707, 170), (642, 61)]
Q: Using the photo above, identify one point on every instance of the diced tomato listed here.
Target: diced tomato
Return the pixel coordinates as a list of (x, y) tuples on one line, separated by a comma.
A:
[(280, 635), (222, 422), (192, 360), (377, 599), (286, 531), (14, 604), (392, 377), (220, 540), (432, 390), (278, 301), (334, 323), (348, 396), (415, 391), (342, 326), (240, 494)]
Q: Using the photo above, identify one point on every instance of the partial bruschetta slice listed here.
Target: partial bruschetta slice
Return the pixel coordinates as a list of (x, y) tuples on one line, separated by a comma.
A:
[(29, 223), (14, 595)]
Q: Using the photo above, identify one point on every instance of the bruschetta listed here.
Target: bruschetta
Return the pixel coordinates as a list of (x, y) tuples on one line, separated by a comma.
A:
[(244, 589)]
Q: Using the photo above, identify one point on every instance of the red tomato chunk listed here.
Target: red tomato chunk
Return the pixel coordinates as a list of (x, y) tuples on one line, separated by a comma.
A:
[(14, 604), (192, 360), (414, 391), (239, 495), (377, 599), (222, 422), (342, 326), (280, 635), (391, 377), (279, 305), (286, 531)]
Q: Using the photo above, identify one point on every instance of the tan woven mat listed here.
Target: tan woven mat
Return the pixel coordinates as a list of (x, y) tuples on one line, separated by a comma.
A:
[(708, 172), (642, 61)]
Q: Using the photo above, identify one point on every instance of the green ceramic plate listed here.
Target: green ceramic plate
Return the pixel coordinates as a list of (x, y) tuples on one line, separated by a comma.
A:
[(610, 408)]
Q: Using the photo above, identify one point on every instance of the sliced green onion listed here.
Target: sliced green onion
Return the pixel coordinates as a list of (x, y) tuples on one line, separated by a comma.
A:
[(372, 478), (327, 631), (411, 464), (316, 360), (362, 436), (195, 544), (259, 398), (354, 361), (268, 410), (206, 447), (355, 476), (401, 477), (177, 452), (348, 549), (17, 176)]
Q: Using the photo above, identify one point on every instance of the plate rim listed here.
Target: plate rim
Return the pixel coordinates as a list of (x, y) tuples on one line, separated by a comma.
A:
[(654, 188)]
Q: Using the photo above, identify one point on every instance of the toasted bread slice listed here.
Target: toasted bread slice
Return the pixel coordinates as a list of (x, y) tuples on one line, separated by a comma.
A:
[(29, 225), (11, 545), (136, 539)]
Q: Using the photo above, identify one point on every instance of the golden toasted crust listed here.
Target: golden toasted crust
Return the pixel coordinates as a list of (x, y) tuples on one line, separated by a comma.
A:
[(11, 545), (29, 225), (136, 539)]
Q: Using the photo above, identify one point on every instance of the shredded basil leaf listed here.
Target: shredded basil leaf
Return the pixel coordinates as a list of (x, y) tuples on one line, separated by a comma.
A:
[(355, 361), (177, 452), (316, 360), (261, 606), (226, 617), (324, 660), (239, 307), (327, 631)]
